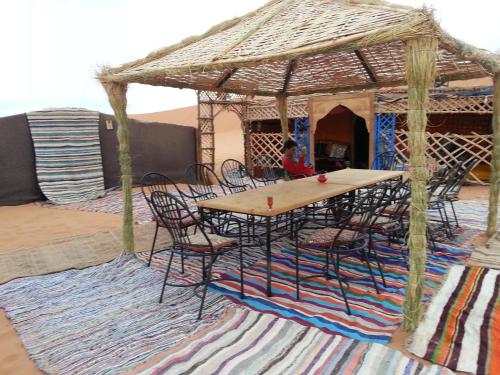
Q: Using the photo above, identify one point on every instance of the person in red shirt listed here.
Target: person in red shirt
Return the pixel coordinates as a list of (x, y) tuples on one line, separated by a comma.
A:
[(295, 168)]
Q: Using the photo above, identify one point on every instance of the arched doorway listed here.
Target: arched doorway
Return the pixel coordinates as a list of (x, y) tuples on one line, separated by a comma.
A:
[(341, 140)]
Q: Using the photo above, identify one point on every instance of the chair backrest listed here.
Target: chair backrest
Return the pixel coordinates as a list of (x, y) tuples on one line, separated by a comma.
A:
[(268, 169), (361, 210), (400, 198), (173, 213), (203, 182), (152, 182), (236, 176), (465, 168), (387, 161), (374, 201)]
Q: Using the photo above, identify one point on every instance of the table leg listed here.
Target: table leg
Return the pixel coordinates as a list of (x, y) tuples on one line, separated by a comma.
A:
[(268, 256)]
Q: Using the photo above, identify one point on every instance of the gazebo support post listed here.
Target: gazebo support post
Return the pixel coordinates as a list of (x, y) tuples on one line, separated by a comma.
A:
[(282, 104), (420, 73), (117, 96), (495, 160)]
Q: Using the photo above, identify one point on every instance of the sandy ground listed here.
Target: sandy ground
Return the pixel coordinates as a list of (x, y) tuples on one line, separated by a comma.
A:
[(31, 225), (28, 226)]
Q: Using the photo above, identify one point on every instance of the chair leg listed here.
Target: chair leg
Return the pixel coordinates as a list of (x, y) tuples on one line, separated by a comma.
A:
[(166, 276), (375, 255), (327, 270), (337, 272), (447, 219), (242, 274), (363, 253), (207, 281), (153, 245), (203, 268), (182, 264), (454, 214), (297, 267)]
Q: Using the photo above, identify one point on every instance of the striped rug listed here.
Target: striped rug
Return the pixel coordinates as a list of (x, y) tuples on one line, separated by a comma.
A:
[(104, 319), (461, 328), (247, 342), (67, 153), (375, 317), (471, 214), (112, 203)]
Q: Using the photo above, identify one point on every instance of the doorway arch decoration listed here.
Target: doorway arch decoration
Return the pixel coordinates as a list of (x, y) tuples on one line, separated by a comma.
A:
[(361, 104)]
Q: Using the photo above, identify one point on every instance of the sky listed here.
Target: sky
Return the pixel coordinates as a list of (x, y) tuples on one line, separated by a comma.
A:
[(51, 49)]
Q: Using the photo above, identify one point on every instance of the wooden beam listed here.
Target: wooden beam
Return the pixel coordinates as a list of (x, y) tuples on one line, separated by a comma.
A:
[(226, 77), (495, 160), (421, 59), (117, 96), (281, 102), (289, 70), (366, 65)]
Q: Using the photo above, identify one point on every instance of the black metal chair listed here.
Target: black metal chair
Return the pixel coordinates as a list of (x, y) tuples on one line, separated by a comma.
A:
[(150, 183), (236, 176), (439, 187), (338, 239), (387, 161), (270, 173), (391, 222), (207, 245), (452, 195), (203, 182)]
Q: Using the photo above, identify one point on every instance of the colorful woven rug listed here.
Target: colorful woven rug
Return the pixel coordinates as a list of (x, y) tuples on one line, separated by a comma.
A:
[(75, 252), (104, 319), (247, 342), (112, 203), (461, 328), (375, 317), (471, 214), (68, 154)]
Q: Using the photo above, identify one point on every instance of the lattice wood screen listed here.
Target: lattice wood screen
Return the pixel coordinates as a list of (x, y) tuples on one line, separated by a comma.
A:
[(448, 148), (466, 104), (266, 144), (269, 144), (297, 107)]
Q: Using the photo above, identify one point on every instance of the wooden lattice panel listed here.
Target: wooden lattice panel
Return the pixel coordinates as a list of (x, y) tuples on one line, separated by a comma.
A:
[(464, 104), (298, 107), (266, 144), (447, 149)]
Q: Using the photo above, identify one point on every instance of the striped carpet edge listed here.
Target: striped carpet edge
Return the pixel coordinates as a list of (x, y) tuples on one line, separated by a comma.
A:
[(247, 342), (461, 328), (67, 153)]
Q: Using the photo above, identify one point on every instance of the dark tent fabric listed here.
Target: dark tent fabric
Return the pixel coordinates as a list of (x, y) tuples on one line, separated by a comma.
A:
[(155, 147), (18, 183)]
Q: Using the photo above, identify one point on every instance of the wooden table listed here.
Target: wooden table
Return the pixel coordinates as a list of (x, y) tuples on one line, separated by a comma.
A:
[(357, 177), (291, 195)]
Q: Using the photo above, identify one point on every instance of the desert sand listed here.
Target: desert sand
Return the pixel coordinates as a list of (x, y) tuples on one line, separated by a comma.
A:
[(28, 226)]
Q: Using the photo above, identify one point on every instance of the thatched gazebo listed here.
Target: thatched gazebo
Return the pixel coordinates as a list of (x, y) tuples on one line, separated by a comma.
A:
[(299, 47)]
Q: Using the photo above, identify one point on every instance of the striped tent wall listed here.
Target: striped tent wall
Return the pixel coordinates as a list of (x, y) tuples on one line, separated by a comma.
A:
[(68, 154)]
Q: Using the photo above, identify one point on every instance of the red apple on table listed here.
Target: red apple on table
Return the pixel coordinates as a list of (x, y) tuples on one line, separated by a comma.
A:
[(322, 178)]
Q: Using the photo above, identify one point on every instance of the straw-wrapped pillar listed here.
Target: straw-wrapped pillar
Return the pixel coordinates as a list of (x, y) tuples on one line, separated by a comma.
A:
[(282, 104), (420, 73), (495, 160), (117, 96)]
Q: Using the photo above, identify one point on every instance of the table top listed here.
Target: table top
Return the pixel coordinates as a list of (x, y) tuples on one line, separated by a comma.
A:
[(295, 194), (357, 177)]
